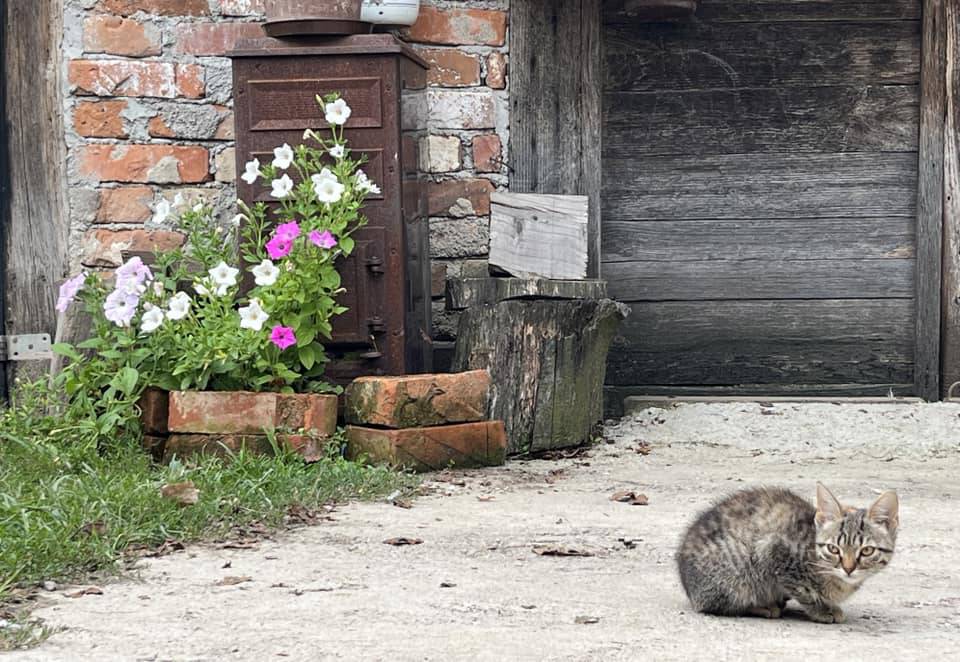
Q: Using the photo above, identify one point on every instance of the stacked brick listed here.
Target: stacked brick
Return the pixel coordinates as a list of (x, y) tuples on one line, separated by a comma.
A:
[(424, 422)]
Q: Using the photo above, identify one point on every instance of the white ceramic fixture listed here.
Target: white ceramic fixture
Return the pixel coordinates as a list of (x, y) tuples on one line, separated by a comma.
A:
[(390, 12)]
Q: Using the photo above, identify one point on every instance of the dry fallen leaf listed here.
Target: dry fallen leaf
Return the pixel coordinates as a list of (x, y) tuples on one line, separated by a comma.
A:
[(633, 498), (485, 498), (402, 503), (560, 550), (98, 528), (586, 620), (227, 564), (231, 580), (399, 542), (643, 448), (90, 590), (447, 584), (185, 493)]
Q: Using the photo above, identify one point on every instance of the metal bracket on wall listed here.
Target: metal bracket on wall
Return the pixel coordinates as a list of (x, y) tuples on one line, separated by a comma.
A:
[(25, 347)]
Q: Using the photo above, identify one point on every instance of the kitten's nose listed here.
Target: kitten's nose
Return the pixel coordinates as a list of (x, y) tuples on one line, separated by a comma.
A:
[(849, 569)]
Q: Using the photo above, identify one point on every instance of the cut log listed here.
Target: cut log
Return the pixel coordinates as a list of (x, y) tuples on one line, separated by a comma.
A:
[(536, 235), (547, 360), (463, 293)]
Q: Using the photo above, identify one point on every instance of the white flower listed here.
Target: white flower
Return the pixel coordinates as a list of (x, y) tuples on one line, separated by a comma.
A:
[(161, 212), (283, 157), (224, 276), (326, 187), (252, 172), (152, 319), (337, 112), (364, 183), (178, 200), (158, 288), (281, 187), (253, 316), (178, 306), (266, 273), (236, 220), (336, 151), (197, 208)]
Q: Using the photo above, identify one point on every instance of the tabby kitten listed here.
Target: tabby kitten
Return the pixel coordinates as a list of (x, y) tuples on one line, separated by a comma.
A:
[(758, 548)]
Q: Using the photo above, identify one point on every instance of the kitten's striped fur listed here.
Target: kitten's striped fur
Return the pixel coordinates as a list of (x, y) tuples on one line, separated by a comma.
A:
[(758, 548)]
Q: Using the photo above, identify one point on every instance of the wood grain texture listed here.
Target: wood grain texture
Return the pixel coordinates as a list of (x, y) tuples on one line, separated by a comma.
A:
[(35, 237), (738, 186), (781, 10), (950, 323), (765, 342), (704, 55), (930, 199), (535, 235), (555, 102), (464, 293), (890, 237), (875, 118)]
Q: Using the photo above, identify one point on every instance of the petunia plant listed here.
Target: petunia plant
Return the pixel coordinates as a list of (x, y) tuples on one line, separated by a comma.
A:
[(243, 307)]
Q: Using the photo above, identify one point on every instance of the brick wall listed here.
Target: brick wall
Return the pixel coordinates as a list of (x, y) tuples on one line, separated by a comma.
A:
[(148, 114)]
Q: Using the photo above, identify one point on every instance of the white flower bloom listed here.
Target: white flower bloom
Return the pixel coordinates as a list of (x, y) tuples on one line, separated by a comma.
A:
[(337, 112), (281, 187), (197, 208), (200, 287), (178, 200), (152, 319), (236, 220), (364, 183), (252, 172), (224, 275), (336, 151), (178, 306), (283, 157), (266, 273), (253, 316), (158, 288), (161, 212), (327, 188)]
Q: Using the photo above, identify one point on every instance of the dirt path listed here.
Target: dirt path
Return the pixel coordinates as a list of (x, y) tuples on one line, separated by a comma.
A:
[(475, 590)]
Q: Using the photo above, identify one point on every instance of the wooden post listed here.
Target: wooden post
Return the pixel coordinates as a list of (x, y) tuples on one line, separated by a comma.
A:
[(555, 110), (950, 346), (4, 187)]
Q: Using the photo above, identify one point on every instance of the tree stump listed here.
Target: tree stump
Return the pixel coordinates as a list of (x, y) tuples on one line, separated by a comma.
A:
[(547, 360)]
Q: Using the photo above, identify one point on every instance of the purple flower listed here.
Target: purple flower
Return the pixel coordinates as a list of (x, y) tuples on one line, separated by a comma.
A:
[(132, 276), (282, 337), (120, 307), (278, 247), (287, 231), (68, 291), (323, 239)]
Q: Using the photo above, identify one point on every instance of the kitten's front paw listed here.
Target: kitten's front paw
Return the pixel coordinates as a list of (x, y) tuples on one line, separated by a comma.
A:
[(827, 615)]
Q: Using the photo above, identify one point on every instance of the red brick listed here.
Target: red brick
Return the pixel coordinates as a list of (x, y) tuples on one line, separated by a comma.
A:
[(311, 448), (451, 68), (127, 204), (418, 400), (305, 411), (442, 196), (161, 7), (120, 36), (104, 248), (125, 78), (157, 164), (213, 38), (455, 27), (242, 7), (158, 128), (250, 413), (432, 448), (438, 279), (154, 406), (486, 153), (100, 119), (154, 444), (496, 71)]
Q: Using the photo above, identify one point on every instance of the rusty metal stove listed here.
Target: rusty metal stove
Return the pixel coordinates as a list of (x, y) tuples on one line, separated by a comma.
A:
[(387, 279)]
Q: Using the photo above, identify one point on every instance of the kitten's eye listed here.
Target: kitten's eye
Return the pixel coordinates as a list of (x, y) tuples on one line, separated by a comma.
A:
[(867, 551), (833, 549)]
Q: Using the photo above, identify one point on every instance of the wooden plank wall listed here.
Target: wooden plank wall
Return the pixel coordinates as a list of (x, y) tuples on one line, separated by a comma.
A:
[(759, 206), (555, 97), (950, 321), (35, 234)]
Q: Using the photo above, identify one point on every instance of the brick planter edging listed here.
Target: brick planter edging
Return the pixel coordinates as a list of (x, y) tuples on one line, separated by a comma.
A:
[(465, 445)]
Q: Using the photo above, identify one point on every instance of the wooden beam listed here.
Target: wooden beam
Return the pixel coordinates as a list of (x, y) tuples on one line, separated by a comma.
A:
[(555, 103), (950, 337), (4, 186)]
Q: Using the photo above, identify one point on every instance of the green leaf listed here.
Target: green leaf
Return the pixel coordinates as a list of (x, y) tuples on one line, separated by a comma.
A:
[(127, 380), (307, 357), (346, 245), (65, 349)]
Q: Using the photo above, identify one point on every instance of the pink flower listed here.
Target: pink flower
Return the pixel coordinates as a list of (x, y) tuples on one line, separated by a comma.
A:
[(282, 337), (278, 247), (323, 239), (287, 231), (68, 291)]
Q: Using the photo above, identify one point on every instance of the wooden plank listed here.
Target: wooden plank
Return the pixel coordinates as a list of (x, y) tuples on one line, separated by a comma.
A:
[(555, 101), (634, 404), (738, 186), (950, 325), (756, 279), (35, 237), (4, 190), (930, 200), (764, 342), (703, 55), (616, 11), (890, 237), (873, 118), (535, 235), (463, 293)]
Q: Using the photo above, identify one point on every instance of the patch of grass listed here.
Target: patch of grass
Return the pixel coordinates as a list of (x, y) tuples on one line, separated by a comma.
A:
[(68, 508)]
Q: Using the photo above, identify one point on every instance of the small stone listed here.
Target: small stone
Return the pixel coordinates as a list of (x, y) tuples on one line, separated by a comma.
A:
[(49, 585)]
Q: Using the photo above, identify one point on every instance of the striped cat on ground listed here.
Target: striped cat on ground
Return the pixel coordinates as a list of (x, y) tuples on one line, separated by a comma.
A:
[(758, 548)]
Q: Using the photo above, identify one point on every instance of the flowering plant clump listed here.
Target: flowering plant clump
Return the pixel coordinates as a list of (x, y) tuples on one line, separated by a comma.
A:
[(189, 323)]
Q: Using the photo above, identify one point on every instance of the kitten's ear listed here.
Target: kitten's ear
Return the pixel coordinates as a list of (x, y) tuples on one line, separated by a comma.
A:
[(886, 510), (828, 508)]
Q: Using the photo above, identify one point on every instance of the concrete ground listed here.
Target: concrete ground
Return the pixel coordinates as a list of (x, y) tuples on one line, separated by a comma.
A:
[(475, 588)]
